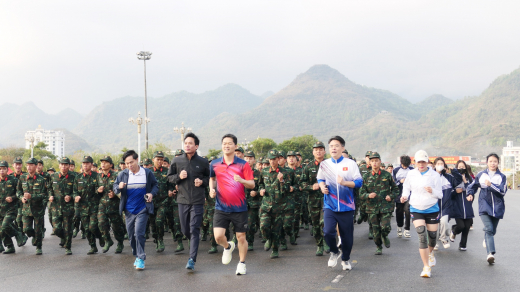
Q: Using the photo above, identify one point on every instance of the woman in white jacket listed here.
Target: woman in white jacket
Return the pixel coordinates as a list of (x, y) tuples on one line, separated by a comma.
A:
[(423, 189)]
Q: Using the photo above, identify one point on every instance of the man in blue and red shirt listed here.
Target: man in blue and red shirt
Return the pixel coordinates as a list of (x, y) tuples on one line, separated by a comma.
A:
[(228, 177)]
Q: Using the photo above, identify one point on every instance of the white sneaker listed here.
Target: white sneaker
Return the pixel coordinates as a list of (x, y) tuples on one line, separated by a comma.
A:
[(484, 243), (339, 242), (463, 249), (446, 244), (426, 272), (241, 269), (471, 228), (333, 260), (452, 236), (432, 261), (346, 265), (399, 231), (436, 247), (490, 259), (227, 255), (407, 234)]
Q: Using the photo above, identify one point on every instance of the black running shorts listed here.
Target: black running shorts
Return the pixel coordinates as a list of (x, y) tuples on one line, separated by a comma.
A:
[(239, 220), (430, 218)]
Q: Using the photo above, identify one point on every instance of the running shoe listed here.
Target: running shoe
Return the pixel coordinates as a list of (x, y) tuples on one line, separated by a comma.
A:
[(432, 261), (139, 265), (436, 247), (346, 265), (407, 234), (452, 236), (190, 265), (241, 269), (471, 228), (399, 231), (491, 259), (334, 257), (426, 272), (445, 243), (135, 262), (462, 248), (227, 254)]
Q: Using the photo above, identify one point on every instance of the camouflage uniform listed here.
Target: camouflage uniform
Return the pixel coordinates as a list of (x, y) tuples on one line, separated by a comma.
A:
[(108, 210), (19, 222), (8, 211), (33, 211), (161, 203), (305, 220), (314, 201), (379, 210), (298, 199), (273, 204), (62, 212), (253, 206), (288, 217), (86, 186)]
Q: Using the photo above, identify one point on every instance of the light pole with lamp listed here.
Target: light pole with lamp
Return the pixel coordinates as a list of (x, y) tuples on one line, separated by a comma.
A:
[(139, 121), (145, 56), (30, 139), (182, 130)]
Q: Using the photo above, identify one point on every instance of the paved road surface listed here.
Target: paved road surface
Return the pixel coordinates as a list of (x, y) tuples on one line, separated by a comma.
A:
[(298, 269)]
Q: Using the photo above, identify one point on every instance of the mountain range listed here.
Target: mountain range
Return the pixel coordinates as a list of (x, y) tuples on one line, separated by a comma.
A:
[(320, 101)]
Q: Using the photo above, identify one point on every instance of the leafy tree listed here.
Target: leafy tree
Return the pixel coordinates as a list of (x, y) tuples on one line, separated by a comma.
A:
[(214, 152), (152, 148), (303, 144), (8, 154), (261, 146)]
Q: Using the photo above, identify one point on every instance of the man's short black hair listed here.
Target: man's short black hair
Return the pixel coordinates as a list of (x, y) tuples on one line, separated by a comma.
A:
[(339, 139), (130, 153), (405, 160), (235, 140), (191, 135)]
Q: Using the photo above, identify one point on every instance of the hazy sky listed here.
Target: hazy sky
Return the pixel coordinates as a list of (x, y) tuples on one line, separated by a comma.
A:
[(78, 54)]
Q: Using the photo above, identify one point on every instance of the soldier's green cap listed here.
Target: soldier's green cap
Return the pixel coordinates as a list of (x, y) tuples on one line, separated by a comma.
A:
[(17, 160), (51, 169), (240, 149), (282, 154), (297, 153), (249, 153), (260, 159), (158, 154), (350, 156), (108, 159), (383, 165), (64, 160), (147, 161), (72, 162), (179, 152), (166, 159), (374, 155), (368, 153), (390, 165), (272, 154), (291, 153), (32, 161), (88, 159), (121, 161), (40, 162), (4, 163), (265, 161), (345, 151), (94, 164), (318, 144)]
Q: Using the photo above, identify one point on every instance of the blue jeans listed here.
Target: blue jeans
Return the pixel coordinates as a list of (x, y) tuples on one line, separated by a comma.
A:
[(345, 223), (136, 227), (490, 229)]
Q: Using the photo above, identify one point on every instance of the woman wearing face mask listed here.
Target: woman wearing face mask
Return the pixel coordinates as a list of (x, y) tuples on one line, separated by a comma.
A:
[(462, 208), (449, 181), (424, 188), (491, 204)]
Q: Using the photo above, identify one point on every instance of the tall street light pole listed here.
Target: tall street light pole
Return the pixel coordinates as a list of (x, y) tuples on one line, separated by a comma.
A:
[(139, 121), (182, 130), (30, 139), (145, 55)]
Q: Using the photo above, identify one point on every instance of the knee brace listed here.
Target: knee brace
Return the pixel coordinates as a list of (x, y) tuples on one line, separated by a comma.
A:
[(433, 238), (423, 240)]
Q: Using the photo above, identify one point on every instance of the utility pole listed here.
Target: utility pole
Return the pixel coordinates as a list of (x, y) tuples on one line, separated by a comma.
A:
[(144, 55)]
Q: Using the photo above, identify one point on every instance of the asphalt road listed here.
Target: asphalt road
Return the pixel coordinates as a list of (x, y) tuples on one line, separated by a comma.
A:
[(297, 269)]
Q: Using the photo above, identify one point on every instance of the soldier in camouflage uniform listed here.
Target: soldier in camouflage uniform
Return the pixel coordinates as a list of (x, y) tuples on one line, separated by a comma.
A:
[(160, 201), (32, 191), (305, 219), (207, 219), (87, 195), (273, 188), (379, 192), (292, 160), (17, 173), (108, 209), (8, 209), (61, 204), (177, 234), (254, 201), (288, 214), (365, 168), (77, 219), (309, 183), (47, 177)]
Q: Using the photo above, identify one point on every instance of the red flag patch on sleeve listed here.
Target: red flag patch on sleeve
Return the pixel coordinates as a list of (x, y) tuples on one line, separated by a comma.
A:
[(345, 168)]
